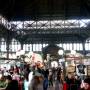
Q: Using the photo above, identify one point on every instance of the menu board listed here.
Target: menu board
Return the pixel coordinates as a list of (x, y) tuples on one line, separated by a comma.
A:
[(88, 70)]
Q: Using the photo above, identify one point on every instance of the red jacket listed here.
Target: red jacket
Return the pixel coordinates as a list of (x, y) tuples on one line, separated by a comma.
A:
[(65, 86)]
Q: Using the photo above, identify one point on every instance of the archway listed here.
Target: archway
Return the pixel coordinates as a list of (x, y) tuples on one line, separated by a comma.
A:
[(50, 53)]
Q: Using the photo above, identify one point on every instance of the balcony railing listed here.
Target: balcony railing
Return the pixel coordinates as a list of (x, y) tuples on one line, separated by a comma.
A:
[(53, 24), (45, 24)]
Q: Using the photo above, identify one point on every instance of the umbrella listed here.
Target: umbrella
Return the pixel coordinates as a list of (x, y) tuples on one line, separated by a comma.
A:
[(34, 57)]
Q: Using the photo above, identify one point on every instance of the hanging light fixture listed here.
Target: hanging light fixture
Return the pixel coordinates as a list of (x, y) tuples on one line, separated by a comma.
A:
[(60, 52)]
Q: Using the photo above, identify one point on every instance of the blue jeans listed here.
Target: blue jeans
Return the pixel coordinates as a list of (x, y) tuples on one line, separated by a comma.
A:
[(45, 84)]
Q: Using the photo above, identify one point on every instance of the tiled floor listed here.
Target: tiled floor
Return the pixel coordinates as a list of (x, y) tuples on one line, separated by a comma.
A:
[(51, 88), (55, 87)]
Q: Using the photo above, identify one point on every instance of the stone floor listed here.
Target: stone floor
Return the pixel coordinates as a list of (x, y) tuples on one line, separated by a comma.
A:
[(56, 86)]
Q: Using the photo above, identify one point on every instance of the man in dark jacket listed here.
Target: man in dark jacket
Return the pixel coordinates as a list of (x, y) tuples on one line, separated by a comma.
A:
[(12, 84), (86, 84)]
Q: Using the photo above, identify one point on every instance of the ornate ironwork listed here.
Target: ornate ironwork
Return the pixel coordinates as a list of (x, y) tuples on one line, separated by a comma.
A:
[(4, 22), (50, 24)]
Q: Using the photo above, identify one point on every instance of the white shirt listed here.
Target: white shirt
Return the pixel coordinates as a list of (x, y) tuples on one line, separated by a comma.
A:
[(26, 85)]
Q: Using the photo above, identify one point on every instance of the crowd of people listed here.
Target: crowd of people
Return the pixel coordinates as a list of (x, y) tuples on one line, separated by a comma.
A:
[(36, 78)]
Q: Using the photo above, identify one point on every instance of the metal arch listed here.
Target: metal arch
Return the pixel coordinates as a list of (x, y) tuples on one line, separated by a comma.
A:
[(48, 27), (52, 38)]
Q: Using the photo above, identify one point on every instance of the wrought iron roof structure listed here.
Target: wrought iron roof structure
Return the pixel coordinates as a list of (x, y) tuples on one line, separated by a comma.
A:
[(49, 21)]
